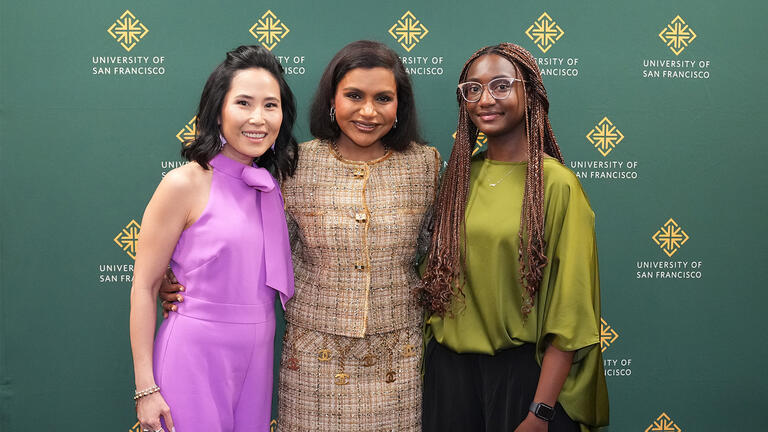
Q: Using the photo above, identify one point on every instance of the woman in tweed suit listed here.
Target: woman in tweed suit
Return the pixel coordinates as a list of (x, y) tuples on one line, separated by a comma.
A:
[(353, 344)]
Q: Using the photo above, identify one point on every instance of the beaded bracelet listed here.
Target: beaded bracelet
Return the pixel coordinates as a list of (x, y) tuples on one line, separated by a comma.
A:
[(140, 394)]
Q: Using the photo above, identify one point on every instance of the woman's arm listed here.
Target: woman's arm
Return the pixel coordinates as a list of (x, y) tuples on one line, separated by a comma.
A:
[(165, 217), (555, 366), (554, 370)]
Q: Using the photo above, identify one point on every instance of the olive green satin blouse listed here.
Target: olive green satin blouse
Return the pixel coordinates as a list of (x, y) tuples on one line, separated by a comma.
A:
[(567, 306)]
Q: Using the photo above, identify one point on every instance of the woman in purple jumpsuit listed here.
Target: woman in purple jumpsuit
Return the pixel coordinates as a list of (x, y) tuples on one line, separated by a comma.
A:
[(219, 220)]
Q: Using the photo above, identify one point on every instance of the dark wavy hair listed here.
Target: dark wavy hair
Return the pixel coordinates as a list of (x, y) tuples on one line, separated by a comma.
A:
[(367, 55), (281, 160)]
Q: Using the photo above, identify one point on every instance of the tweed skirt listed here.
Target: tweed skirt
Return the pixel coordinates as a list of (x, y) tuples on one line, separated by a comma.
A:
[(338, 383)]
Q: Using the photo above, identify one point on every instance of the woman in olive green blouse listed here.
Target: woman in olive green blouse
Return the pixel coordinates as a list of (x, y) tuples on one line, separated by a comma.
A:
[(511, 283)]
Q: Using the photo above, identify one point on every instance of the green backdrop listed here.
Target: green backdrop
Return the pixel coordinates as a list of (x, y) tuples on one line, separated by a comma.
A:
[(656, 105)]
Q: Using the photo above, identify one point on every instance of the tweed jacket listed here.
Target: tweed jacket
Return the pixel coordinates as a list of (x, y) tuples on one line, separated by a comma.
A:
[(354, 231)]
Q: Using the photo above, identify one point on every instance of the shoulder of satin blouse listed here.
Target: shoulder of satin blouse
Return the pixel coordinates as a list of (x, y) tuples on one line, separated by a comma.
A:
[(557, 174), (561, 182)]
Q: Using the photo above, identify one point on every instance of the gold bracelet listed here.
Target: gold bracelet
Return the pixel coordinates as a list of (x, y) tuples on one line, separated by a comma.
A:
[(140, 394)]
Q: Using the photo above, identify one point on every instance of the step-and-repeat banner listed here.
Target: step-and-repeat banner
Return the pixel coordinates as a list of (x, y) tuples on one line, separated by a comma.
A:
[(657, 106)]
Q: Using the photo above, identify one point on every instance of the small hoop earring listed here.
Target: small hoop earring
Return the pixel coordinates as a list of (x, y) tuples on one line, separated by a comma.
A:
[(394, 126), (333, 114)]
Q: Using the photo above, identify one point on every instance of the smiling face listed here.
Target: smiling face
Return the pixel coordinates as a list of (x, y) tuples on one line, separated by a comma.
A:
[(366, 106), (496, 118), (251, 114)]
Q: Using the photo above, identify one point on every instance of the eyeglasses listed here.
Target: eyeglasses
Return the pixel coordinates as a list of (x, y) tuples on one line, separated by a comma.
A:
[(499, 88)]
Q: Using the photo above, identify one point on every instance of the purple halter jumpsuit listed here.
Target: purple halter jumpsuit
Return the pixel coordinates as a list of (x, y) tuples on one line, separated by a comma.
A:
[(213, 359)]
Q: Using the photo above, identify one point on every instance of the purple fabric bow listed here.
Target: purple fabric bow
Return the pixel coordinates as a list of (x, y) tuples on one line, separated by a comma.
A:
[(258, 178), (277, 246)]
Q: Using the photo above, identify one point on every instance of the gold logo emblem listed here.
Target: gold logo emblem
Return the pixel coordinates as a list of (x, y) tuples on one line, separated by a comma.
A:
[(479, 143), (605, 136), (409, 350), (273, 426), (128, 237), (677, 35), (670, 237), (369, 360), (607, 335), (127, 30), (135, 428), (663, 424), (269, 30), (390, 377), (189, 132), (408, 31), (544, 32), (324, 355), (341, 379)]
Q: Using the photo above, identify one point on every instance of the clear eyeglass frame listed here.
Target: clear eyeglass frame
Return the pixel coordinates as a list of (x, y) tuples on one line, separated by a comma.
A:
[(490, 87)]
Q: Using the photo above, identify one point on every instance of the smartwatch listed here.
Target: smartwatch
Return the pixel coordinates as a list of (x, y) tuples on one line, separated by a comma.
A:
[(542, 411)]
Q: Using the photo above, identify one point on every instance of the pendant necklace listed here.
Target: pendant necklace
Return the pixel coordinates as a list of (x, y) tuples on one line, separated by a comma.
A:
[(502, 178)]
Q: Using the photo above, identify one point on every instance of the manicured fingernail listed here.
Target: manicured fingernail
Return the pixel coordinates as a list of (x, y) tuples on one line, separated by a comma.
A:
[(181, 288), (173, 308), (179, 298)]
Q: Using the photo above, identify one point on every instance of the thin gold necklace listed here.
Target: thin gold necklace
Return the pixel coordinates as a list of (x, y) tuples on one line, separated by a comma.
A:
[(502, 178)]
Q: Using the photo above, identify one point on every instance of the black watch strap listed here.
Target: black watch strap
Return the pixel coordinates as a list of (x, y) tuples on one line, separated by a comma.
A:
[(542, 411)]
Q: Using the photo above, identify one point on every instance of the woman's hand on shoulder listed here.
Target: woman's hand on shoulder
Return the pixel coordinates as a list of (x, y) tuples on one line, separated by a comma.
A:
[(149, 409)]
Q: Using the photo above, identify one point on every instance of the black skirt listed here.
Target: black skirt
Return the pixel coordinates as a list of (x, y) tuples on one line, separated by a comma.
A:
[(478, 392)]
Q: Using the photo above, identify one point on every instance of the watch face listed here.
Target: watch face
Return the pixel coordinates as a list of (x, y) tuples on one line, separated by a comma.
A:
[(544, 411)]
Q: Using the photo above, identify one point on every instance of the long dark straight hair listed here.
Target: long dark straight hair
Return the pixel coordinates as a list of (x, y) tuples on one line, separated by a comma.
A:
[(281, 160)]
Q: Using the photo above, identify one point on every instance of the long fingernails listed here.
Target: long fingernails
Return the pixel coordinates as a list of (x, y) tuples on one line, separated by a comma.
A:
[(179, 298), (173, 308)]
